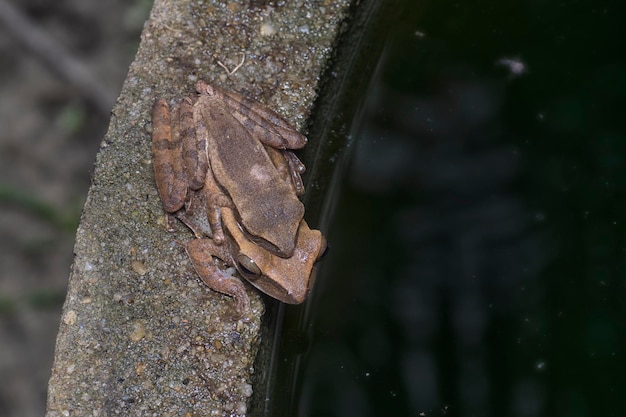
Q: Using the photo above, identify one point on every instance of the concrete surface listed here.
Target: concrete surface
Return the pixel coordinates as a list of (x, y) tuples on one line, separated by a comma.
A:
[(139, 334)]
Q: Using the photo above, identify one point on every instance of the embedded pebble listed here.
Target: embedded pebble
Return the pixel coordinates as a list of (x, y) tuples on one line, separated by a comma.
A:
[(138, 333), (267, 29), (140, 367), (70, 317), (70, 368), (246, 389), (139, 267), (241, 408)]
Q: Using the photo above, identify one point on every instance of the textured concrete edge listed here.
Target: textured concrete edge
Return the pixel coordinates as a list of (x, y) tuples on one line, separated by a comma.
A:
[(138, 333)]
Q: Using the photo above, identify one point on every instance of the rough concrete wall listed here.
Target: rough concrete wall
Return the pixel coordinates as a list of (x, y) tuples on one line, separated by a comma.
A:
[(140, 335)]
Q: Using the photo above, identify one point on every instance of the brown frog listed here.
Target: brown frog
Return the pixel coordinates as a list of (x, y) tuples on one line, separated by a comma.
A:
[(228, 159), (286, 279), (214, 141)]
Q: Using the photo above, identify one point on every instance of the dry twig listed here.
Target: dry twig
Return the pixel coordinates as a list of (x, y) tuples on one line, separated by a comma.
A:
[(234, 70)]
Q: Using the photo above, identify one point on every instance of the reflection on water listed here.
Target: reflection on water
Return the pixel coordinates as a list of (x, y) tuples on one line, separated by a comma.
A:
[(478, 247)]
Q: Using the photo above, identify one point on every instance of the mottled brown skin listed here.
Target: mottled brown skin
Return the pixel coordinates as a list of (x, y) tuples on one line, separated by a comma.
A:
[(226, 159), (168, 164), (193, 146), (226, 141), (286, 279), (267, 205), (281, 278), (201, 253)]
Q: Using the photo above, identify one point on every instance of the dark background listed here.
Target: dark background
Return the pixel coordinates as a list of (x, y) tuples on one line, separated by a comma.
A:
[(478, 248), (49, 135)]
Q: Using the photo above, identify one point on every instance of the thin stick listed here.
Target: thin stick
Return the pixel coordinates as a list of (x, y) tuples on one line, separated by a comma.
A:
[(243, 59), (55, 57)]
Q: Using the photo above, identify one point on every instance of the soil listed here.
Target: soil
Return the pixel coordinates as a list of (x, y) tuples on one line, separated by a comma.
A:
[(49, 136)]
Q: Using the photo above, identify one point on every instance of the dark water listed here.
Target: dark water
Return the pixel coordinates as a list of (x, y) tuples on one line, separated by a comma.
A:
[(478, 258)]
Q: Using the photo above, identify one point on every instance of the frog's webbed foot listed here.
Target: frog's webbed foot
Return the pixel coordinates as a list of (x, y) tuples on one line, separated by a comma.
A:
[(201, 252), (169, 222), (296, 169), (199, 229), (289, 167), (189, 208)]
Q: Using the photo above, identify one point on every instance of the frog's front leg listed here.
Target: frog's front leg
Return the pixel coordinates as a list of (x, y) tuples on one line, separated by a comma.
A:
[(201, 252)]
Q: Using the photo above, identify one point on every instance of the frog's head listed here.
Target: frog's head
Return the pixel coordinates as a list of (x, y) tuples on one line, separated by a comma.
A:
[(286, 279)]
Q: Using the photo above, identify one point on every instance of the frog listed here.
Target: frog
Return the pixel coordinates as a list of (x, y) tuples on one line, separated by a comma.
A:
[(240, 153), (288, 280), (224, 165)]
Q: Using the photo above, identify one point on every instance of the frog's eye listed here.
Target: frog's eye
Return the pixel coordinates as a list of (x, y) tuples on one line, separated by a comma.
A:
[(323, 249), (248, 267)]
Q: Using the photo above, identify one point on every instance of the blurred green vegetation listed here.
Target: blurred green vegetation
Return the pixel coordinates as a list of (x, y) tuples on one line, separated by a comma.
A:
[(38, 300), (65, 219)]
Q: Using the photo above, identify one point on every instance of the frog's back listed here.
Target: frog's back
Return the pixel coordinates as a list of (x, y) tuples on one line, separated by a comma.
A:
[(266, 205)]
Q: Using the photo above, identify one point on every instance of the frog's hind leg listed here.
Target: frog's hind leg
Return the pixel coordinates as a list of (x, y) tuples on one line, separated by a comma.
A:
[(194, 138), (167, 157)]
